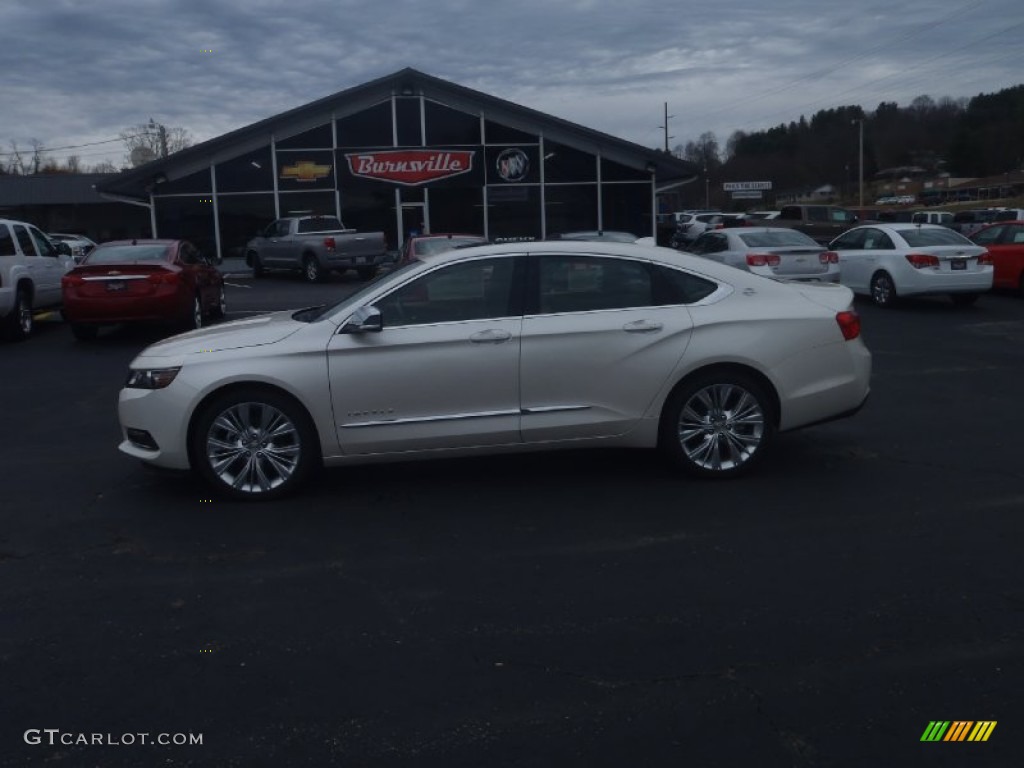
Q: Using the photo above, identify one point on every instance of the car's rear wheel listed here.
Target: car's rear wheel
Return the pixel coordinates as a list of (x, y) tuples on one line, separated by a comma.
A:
[(20, 321), (311, 270), (964, 299), (84, 331), (883, 290), (254, 443), (366, 273), (718, 424)]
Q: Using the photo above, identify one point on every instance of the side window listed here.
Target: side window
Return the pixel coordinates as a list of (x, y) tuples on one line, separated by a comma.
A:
[(188, 254), (674, 286), (472, 290), (876, 240), (701, 244), (817, 214), (6, 241), (849, 241), (271, 230), (841, 215), (43, 246), (988, 236), (587, 283), (790, 213), (284, 228), (1016, 235), (25, 241)]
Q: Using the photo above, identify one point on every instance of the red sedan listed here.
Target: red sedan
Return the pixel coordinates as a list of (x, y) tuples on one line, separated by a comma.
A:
[(1005, 241), (424, 245), (128, 281)]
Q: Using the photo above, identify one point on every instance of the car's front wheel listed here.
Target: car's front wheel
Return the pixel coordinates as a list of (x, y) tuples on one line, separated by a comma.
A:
[(254, 443), (220, 309), (718, 424)]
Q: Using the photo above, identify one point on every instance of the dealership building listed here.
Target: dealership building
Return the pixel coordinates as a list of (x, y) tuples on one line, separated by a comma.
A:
[(404, 154)]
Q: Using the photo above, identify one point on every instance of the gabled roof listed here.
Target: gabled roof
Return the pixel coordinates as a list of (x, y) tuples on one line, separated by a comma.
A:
[(668, 169)]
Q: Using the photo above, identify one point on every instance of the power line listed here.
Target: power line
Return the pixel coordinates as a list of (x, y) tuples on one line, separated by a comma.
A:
[(32, 150)]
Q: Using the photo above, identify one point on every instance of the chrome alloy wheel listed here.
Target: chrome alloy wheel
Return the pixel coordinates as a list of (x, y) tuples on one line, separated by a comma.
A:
[(721, 427), (25, 318), (253, 447)]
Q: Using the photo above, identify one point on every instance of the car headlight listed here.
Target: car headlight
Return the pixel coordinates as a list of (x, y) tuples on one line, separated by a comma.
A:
[(151, 378)]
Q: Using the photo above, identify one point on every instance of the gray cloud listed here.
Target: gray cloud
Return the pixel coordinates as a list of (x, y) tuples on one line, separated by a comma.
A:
[(76, 72)]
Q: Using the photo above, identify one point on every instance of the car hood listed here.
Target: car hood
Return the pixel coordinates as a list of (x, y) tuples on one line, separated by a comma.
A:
[(250, 332)]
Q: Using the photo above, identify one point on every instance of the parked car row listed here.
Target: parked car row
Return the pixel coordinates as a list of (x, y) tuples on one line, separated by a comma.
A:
[(884, 261)]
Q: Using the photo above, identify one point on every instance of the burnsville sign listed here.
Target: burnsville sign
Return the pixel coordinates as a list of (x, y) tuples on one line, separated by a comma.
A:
[(410, 166)]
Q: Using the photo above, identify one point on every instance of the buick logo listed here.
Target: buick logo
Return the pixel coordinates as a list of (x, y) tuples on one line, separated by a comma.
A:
[(513, 165)]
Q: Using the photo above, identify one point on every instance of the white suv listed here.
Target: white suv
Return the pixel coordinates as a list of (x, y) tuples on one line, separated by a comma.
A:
[(30, 272)]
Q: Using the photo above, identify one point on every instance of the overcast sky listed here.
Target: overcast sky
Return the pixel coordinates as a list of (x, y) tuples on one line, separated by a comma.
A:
[(74, 72)]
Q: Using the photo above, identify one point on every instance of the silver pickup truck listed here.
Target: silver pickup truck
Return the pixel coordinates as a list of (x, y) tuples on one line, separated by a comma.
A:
[(316, 245)]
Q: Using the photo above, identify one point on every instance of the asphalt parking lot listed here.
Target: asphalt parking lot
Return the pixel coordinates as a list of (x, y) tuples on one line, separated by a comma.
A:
[(589, 609)]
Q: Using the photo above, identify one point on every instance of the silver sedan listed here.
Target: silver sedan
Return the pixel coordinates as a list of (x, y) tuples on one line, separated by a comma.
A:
[(503, 348), (771, 252)]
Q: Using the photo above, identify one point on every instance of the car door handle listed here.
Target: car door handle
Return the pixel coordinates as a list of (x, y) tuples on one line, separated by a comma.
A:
[(491, 336), (642, 326)]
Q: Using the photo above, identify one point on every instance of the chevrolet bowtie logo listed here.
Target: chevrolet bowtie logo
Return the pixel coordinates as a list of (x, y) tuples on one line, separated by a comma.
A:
[(305, 170)]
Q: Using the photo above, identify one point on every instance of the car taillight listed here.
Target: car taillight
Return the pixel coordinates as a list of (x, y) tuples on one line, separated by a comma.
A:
[(164, 278), (72, 280), (329, 243), (763, 259), (828, 257), (922, 260), (849, 324), (985, 259)]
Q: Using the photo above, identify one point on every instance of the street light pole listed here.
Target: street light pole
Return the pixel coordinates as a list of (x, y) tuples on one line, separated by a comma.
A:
[(860, 154), (707, 188)]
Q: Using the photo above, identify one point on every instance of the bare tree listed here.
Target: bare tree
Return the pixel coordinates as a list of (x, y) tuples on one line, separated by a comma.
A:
[(73, 164), (104, 167), (16, 164), (38, 155), (148, 141)]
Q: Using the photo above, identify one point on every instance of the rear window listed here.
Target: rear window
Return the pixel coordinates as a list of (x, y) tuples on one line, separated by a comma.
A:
[(918, 238), (116, 254), (1011, 215), (6, 242), (319, 224), (779, 237)]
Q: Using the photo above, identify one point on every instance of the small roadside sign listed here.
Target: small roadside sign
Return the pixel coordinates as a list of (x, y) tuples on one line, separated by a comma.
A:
[(747, 195), (746, 186)]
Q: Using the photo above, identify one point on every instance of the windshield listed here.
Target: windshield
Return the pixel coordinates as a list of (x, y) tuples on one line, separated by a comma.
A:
[(775, 238), (918, 238), (354, 300), (116, 254)]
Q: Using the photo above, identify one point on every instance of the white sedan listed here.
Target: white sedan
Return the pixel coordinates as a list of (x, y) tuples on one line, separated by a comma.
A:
[(503, 348), (771, 252), (887, 261)]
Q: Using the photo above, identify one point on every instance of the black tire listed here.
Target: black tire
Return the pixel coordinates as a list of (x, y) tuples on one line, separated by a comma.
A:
[(220, 309), (883, 290), (254, 444), (311, 269), (20, 322), (964, 299), (195, 316), (718, 424), (84, 331), (254, 260), (366, 273)]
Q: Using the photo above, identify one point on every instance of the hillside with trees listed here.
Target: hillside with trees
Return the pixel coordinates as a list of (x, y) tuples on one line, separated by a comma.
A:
[(968, 138)]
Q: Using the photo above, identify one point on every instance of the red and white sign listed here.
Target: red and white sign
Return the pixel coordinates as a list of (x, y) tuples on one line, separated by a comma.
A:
[(410, 166)]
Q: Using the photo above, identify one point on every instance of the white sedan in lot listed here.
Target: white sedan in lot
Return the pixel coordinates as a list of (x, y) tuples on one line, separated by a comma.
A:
[(771, 252), (503, 348), (887, 261)]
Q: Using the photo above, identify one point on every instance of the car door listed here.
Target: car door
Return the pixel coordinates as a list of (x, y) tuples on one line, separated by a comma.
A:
[(444, 370), (852, 259), (273, 245), (597, 344), (44, 271), (1006, 244)]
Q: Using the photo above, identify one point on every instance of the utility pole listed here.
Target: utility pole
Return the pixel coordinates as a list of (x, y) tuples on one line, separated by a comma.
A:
[(665, 126), (860, 154)]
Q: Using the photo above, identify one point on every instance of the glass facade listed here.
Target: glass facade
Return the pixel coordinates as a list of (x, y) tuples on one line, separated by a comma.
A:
[(406, 165)]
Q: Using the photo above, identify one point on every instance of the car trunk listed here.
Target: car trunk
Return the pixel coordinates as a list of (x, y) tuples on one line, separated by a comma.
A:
[(130, 280)]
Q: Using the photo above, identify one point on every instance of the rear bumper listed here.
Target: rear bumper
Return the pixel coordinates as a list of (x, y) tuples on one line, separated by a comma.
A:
[(125, 309), (924, 281)]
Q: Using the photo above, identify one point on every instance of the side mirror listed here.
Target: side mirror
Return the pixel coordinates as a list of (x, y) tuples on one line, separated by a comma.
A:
[(366, 319)]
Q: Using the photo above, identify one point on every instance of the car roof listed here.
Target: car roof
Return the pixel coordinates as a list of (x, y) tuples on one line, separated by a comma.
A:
[(657, 254), (143, 241)]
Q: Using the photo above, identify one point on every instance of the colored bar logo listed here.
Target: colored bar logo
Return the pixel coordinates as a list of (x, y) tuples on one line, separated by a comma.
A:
[(958, 730)]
